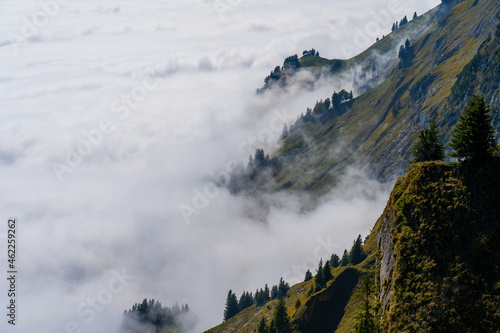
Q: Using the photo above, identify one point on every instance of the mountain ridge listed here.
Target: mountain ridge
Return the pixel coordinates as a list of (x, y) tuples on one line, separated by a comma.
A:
[(418, 250), (377, 130)]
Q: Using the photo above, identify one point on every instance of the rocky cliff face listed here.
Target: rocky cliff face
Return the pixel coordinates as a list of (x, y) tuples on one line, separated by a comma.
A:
[(386, 261)]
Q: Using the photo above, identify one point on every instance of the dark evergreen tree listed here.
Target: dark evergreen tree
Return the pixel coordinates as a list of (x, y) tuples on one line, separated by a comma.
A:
[(428, 146), (334, 261), (259, 159), (262, 328), (319, 279), (143, 308), (401, 54), (291, 63), (151, 313), (311, 52), (340, 97), (273, 76), (285, 133), (474, 139), (403, 21), (406, 55), (281, 319), (308, 276), (336, 99), (231, 308), (327, 272), (322, 107), (246, 300), (267, 293), (367, 322), (308, 113), (274, 292), (260, 297), (356, 255), (345, 259), (415, 15), (283, 288)]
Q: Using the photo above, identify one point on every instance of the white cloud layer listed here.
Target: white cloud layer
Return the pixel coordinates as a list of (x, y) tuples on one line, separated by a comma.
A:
[(113, 113)]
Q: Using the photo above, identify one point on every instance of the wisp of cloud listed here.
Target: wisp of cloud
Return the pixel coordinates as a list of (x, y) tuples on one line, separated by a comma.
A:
[(113, 114)]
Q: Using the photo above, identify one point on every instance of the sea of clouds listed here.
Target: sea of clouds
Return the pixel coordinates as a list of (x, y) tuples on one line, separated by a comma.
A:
[(114, 115)]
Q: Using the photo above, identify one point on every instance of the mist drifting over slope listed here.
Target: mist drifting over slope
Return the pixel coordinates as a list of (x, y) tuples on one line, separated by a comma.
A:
[(114, 114)]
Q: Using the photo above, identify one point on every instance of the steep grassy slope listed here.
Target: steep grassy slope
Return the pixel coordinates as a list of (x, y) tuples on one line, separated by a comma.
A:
[(441, 270), (377, 130), (324, 311), (332, 309)]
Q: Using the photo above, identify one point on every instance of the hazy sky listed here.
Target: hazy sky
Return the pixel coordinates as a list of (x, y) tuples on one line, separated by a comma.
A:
[(113, 114)]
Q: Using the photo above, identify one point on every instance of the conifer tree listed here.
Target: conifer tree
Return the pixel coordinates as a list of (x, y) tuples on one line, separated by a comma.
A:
[(262, 328), (283, 288), (474, 140), (245, 301), (308, 276), (153, 315), (274, 292), (345, 259), (366, 320), (403, 21), (231, 308), (406, 55), (327, 272), (356, 255), (428, 147), (334, 261), (267, 293), (143, 308), (319, 279), (285, 133), (261, 297), (281, 319)]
